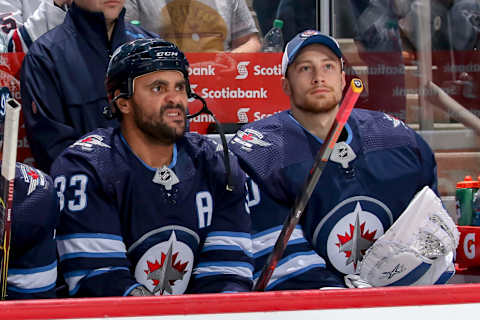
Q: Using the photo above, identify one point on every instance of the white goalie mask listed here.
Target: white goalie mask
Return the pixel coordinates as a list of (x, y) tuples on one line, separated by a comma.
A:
[(418, 249)]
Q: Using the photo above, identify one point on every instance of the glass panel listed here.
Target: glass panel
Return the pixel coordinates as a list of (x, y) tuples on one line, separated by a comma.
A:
[(420, 62)]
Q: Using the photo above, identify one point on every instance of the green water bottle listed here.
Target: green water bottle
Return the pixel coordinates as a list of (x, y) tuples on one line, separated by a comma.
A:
[(464, 194)]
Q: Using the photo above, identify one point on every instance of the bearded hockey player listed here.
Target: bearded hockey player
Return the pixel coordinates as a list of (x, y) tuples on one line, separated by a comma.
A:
[(377, 167), (145, 208), (32, 268)]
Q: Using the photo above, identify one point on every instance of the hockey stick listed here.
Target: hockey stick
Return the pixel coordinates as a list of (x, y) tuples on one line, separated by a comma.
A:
[(356, 87), (11, 111)]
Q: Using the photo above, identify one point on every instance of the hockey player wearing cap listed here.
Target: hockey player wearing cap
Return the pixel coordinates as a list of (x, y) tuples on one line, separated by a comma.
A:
[(145, 207), (32, 267), (377, 166)]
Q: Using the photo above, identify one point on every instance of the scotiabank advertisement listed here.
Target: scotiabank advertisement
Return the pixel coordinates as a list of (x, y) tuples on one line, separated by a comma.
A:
[(238, 88), (244, 87)]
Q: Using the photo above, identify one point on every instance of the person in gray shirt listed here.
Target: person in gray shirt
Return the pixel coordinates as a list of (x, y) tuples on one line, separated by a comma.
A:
[(198, 25)]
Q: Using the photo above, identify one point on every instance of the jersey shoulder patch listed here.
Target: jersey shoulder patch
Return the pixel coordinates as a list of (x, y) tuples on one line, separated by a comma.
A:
[(31, 178), (268, 148), (96, 140)]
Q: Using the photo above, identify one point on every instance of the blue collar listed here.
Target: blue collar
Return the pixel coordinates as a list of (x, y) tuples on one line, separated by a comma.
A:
[(171, 165), (347, 127)]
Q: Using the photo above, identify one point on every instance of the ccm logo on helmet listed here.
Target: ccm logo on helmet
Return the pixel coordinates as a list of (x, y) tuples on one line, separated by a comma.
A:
[(166, 54)]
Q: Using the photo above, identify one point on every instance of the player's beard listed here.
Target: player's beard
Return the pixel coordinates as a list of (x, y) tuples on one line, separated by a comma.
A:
[(155, 127), (324, 105)]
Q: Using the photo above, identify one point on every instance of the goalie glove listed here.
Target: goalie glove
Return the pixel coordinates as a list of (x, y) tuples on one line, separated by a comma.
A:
[(140, 291), (418, 249)]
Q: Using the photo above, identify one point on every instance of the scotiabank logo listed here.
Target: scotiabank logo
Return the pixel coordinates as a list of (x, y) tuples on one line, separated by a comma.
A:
[(234, 93), (242, 70), (242, 115), (192, 87), (258, 115), (259, 70), (202, 71)]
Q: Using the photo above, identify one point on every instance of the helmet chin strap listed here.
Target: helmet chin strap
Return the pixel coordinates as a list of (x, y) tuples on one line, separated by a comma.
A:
[(109, 111), (226, 158)]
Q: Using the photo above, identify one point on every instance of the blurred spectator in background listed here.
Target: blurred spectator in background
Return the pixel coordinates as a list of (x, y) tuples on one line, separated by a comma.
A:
[(465, 14), (63, 74), (23, 21), (455, 26), (198, 25), (297, 15), (465, 39), (380, 46), (266, 11)]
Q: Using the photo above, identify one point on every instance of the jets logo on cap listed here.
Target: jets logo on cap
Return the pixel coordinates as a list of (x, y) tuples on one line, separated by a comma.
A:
[(309, 33)]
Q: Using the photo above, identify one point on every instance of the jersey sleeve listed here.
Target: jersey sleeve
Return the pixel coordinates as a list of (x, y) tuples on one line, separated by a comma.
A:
[(19, 30), (427, 158), (32, 272), (225, 263), (90, 245), (261, 150)]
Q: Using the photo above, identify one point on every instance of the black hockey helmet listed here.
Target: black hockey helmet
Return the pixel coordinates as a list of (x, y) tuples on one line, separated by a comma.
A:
[(139, 57)]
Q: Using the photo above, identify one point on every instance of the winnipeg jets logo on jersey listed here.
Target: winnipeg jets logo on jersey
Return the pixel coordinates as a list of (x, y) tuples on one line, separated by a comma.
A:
[(249, 138), (33, 178), (355, 242), (396, 122), (166, 267), (349, 229), (342, 153), (89, 142)]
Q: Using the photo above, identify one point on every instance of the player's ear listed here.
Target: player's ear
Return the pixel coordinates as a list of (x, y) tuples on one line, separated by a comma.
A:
[(286, 86), (344, 82), (122, 103)]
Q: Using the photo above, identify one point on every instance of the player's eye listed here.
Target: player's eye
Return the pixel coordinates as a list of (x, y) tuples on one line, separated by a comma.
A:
[(304, 68), (329, 67), (158, 89), (180, 87)]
